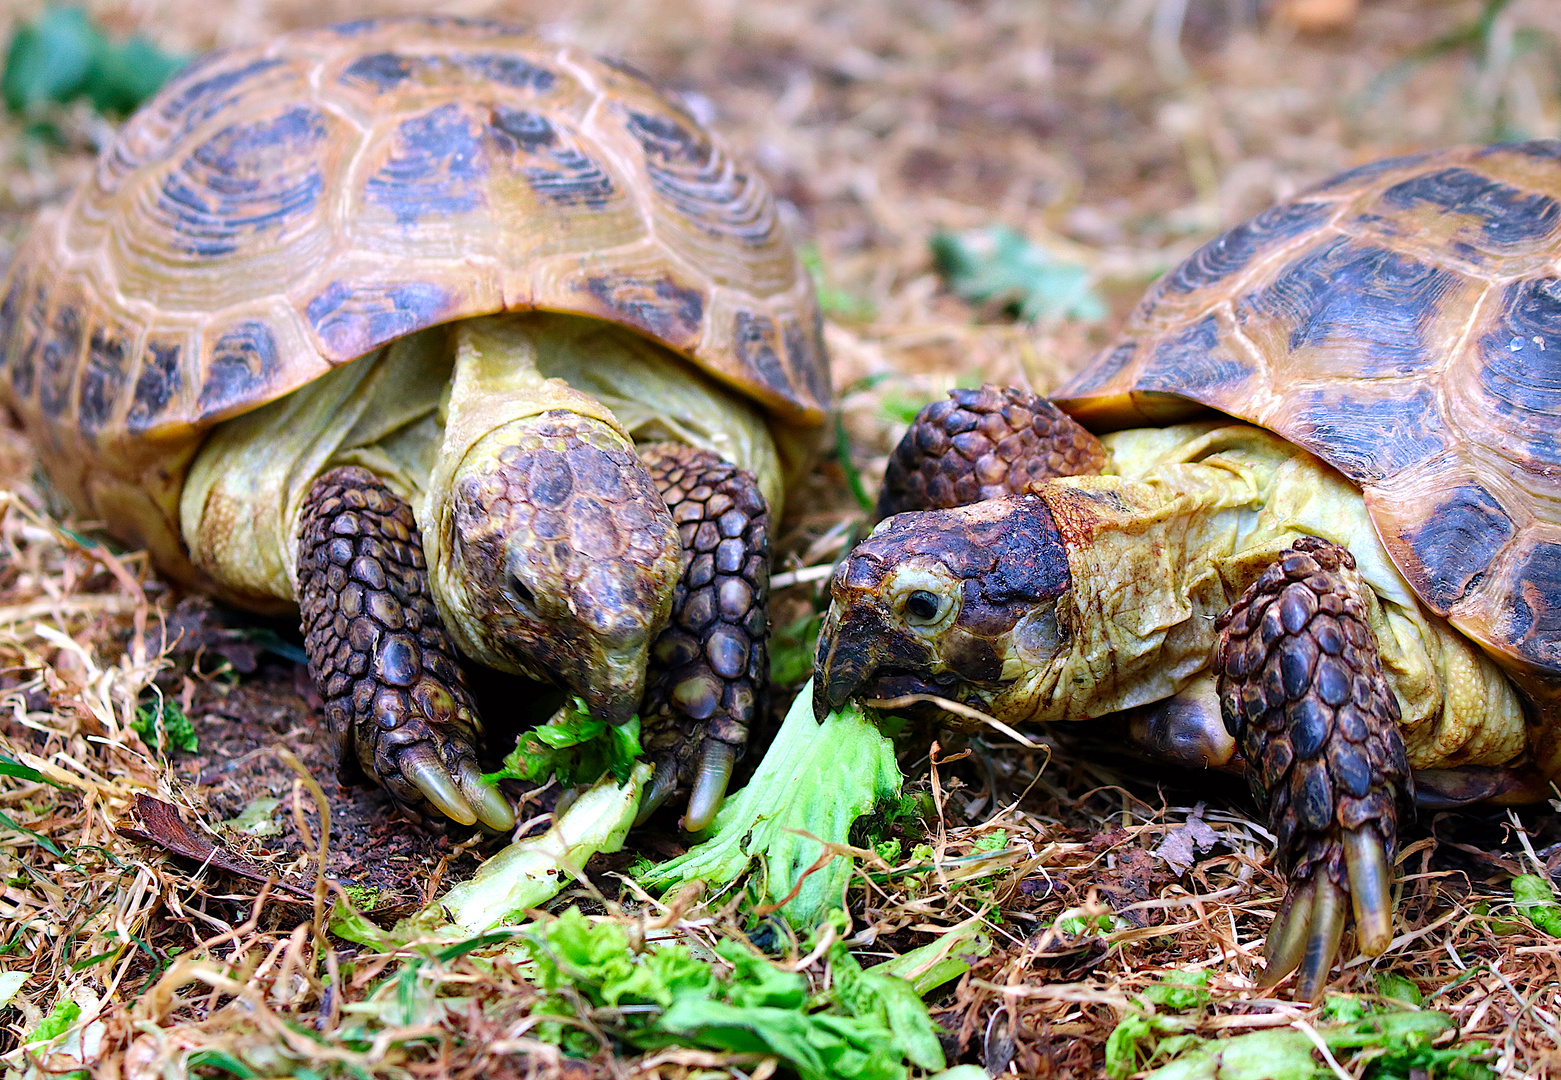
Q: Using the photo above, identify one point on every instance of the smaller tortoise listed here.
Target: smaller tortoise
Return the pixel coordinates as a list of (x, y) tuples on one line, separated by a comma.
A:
[(1356, 602), (463, 343)]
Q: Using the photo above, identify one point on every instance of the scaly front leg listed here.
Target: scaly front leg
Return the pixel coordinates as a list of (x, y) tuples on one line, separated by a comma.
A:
[(394, 696), (1302, 692), (709, 670)]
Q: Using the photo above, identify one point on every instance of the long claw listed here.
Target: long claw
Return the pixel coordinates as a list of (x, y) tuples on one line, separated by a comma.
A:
[(662, 783), (1287, 935), (715, 772), (421, 766), (1366, 859), (487, 801), (1322, 941)]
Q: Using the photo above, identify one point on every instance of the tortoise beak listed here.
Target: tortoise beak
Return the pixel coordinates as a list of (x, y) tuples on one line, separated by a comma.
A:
[(855, 646)]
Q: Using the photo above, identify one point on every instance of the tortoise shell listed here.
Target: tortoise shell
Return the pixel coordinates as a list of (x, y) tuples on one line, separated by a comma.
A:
[(1402, 321), (278, 210)]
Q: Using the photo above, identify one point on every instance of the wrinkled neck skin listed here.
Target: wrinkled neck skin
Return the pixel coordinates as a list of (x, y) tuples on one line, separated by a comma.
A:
[(1160, 550), (1145, 560)]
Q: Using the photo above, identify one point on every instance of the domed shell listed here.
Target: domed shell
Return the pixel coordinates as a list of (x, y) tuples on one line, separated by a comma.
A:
[(1402, 321), (275, 211)]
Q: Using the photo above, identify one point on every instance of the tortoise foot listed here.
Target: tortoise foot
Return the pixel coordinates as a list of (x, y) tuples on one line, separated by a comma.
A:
[(394, 696), (709, 669), (1302, 692), (984, 444)]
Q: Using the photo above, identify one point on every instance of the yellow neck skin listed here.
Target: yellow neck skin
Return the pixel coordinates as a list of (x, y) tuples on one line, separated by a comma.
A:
[(1160, 549)]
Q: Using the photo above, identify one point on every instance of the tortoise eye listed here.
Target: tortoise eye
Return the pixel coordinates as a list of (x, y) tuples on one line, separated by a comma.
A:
[(522, 592), (923, 605)]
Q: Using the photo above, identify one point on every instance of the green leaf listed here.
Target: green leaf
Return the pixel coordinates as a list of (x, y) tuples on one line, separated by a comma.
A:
[(574, 747), (1537, 902), (164, 726), (9, 766), (65, 1013), (816, 779), (64, 56), (1180, 991), (221, 1059), (992, 841), (258, 818), (997, 265), (1397, 988)]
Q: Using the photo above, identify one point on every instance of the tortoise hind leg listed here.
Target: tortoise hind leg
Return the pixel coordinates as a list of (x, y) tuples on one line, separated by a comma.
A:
[(709, 669), (383, 662), (984, 444), (1302, 692)]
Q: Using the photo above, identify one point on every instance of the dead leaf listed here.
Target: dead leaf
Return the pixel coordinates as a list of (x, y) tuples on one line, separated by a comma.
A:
[(165, 828), (1182, 845)]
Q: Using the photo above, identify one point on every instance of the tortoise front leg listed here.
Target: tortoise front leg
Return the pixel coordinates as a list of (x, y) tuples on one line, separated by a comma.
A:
[(383, 662), (984, 444), (709, 670), (1302, 692)]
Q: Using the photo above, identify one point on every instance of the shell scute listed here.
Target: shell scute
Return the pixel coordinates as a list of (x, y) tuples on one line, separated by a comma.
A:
[(244, 361), (1232, 251), (558, 169), (158, 383), (245, 182), (59, 354), (110, 352), (1535, 619), (1356, 306), (658, 305), (1504, 216), (1195, 356), (1455, 544), (435, 167), (1518, 363), (350, 318)]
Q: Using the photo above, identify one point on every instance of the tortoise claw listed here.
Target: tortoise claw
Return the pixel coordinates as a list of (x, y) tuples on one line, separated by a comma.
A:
[(421, 768), (663, 782), (716, 761), (1366, 860), (487, 801)]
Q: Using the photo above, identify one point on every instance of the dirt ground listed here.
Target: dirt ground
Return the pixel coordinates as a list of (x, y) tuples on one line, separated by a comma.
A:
[(1117, 135)]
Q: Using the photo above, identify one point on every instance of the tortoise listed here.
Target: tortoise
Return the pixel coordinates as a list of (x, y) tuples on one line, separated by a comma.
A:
[(461, 343), (1301, 520)]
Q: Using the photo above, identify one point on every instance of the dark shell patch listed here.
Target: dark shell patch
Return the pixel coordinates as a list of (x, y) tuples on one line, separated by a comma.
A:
[(157, 384), (1521, 369), (244, 181), (243, 363), (811, 361), (1106, 367), (352, 320), (1456, 544), (1507, 216), (1369, 170), (387, 70), (570, 177), (9, 309), (103, 378), (1376, 302), (1193, 360), (57, 360), (436, 169), (755, 346), (659, 306), (1549, 149), (701, 183), (23, 365), (1535, 622), (1368, 439), (1234, 250)]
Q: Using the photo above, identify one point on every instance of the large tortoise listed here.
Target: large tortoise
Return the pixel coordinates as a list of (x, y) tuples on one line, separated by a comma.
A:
[(462, 342), (1357, 601)]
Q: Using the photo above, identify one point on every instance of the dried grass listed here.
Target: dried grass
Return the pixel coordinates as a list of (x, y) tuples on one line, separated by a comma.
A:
[(1121, 135)]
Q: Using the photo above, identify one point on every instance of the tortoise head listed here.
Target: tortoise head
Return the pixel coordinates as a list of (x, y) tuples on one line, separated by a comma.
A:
[(969, 604), (564, 558)]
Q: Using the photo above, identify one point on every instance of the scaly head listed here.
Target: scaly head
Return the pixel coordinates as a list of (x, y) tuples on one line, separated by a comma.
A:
[(563, 557), (970, 604)]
